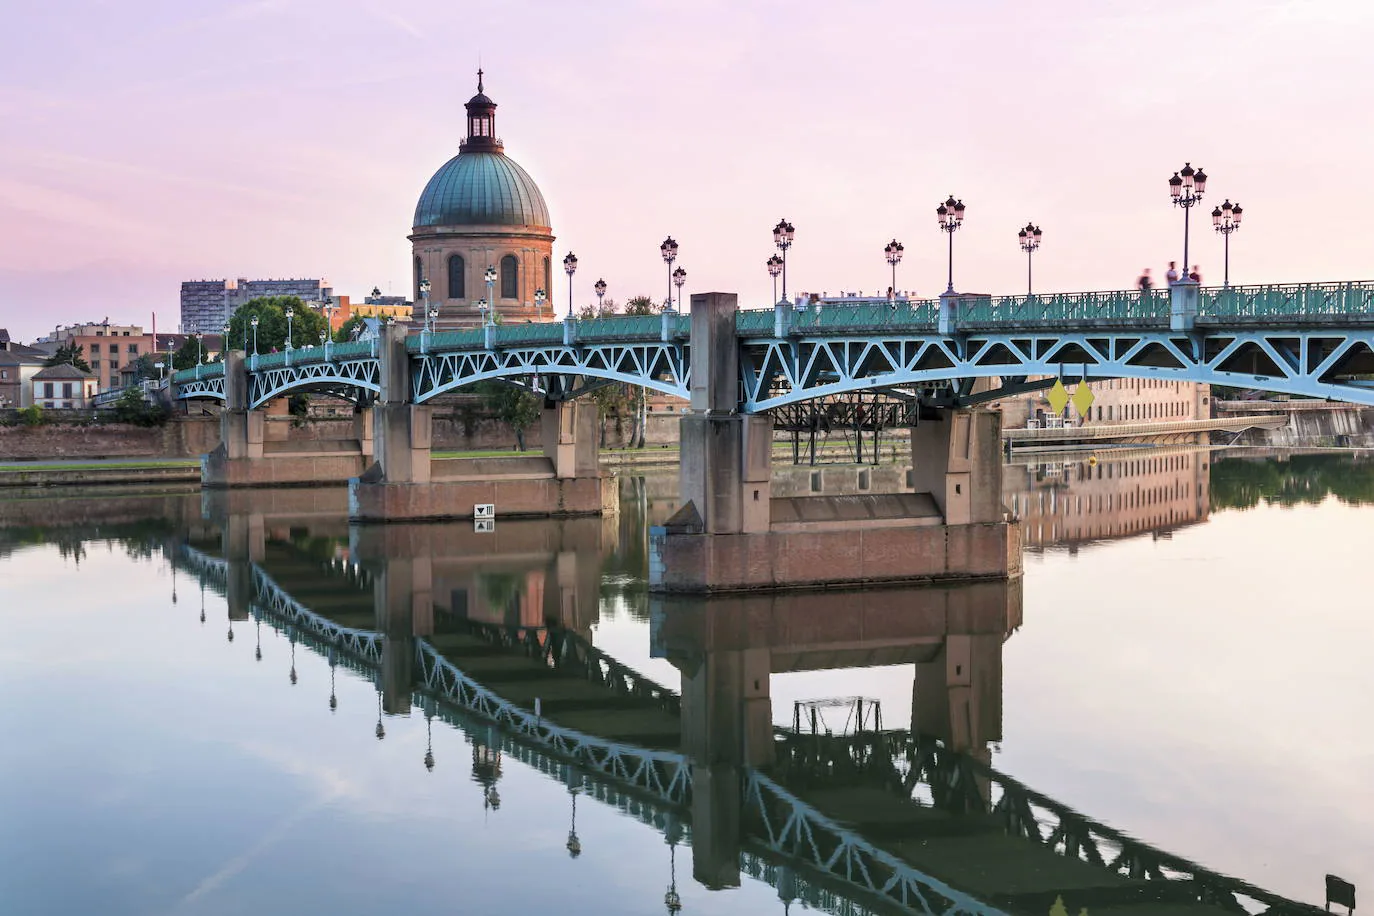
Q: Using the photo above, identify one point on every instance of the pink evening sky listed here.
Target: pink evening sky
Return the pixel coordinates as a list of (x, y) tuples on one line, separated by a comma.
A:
[(150, 141)]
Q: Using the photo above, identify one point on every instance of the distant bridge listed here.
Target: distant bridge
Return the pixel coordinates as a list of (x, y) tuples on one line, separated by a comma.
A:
[(1310, 340)]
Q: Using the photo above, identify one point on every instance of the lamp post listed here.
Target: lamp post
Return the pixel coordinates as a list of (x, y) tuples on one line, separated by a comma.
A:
[(200, 350), (1029, 238), (490, 277), (1226, 219), (600, 287), (424, 296), (540, 297), (893, 251), (254, 323), (774, 268), (783, 234), (290, 313), (433, 318), (1186, 189), (679, 278), (950, 216), (570, 268), (669, 251), (483, 308)]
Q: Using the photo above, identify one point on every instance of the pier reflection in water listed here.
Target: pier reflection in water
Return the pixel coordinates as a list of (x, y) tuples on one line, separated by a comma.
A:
[(553, 617)]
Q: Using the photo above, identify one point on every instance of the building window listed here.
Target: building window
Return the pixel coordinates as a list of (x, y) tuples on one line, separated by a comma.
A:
[(510, 277), (4, 373), (66, 405), (457, 277), (66, 389), (133, 348), (95, 349), (47, 389), (419, 275)]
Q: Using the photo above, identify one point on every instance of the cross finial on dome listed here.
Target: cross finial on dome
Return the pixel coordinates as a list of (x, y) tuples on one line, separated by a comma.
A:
[(479, 79)]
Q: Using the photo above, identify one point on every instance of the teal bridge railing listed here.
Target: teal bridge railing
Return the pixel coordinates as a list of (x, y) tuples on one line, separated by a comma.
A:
[(1305, 339)]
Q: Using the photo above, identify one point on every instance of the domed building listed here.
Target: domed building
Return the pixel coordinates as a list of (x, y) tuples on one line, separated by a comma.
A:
[(480, 210)]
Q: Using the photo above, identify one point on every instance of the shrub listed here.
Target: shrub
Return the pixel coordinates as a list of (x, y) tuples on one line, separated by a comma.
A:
[(31, 416)]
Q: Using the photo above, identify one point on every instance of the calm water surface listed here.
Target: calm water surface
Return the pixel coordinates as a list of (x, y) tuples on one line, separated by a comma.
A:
[(1188, 663)]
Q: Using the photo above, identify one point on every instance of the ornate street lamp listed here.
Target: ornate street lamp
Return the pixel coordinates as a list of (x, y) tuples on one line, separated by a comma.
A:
[(490, 277), (1226, 219), (600, 287), (1186, 189), (1029, 238), (290, 313), (893, 251), (254, 323), (774, 268), (433, 318), (540, 297), (950, 216), (199, 350), (570, 268), (424, 295), (679, 278), (783, 233), (483, 308), (669, 251)]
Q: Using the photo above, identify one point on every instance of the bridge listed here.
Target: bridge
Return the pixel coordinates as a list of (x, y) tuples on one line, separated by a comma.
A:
[(880, 822), (733, 367)]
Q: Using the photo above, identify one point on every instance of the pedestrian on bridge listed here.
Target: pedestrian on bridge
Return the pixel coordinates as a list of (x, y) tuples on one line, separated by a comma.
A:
[(1172, 275), (1196, 275), (1145, 283)]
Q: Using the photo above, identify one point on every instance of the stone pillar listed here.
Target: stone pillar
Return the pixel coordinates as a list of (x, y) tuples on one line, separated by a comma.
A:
[(725, 456), (957, 459), (241, 429), (568, 431), (1183, 304), (403, 603), (363, 431), (401, 431), (726, 726)]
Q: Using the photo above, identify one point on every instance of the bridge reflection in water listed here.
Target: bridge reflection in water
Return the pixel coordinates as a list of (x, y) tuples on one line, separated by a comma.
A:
[(492, 633)]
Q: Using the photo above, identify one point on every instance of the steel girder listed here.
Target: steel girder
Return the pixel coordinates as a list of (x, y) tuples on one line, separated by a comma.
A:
[(655, 365), (266, 384), (1308, 363), (202, 388)]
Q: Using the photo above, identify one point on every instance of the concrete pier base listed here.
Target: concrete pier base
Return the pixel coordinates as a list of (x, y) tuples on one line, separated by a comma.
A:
[(732, 535)]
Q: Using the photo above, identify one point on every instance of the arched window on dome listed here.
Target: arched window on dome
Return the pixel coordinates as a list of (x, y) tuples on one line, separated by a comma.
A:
[(419, 276), (457, 277), (510, 277)]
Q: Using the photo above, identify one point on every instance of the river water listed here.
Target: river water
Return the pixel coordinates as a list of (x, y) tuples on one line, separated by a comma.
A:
[(1187, 660)]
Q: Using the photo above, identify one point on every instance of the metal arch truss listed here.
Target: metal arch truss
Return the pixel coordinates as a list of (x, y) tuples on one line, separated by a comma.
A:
[(355, 374), (1307, 363), (659, 366), (210, 387)]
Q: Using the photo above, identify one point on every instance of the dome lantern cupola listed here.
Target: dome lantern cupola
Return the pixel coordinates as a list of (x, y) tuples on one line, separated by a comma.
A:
[(481, 123)]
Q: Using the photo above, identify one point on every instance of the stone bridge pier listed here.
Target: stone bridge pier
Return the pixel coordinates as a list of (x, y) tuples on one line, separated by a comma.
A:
[(403, 484), (246, 457), (731, 534)]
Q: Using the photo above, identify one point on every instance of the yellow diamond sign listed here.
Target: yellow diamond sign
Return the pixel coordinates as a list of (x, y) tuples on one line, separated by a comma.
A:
[(1058, 396), (1083, 399)]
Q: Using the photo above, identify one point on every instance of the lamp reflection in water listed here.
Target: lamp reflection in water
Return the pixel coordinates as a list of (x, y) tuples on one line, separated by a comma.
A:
[(429, 735), (257, 636), (486, 768), (202, 602), (333, 698), (381, 730), (291, 634), (672, 902), (574, 783)]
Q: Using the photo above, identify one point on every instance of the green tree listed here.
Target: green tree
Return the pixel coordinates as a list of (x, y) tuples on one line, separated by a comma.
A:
[(187, 354), (306, 324), (69, 354), (345, 332), (641, 305), (133, 407), (516, 407)]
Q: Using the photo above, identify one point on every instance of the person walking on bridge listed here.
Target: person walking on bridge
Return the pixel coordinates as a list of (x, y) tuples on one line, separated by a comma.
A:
[(1145, 283), (1172, 275)]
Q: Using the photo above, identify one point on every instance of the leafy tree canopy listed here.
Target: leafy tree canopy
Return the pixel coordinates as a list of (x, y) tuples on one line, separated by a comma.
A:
[(641, 305), (186, 355), (69, 354), (306, 324)]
